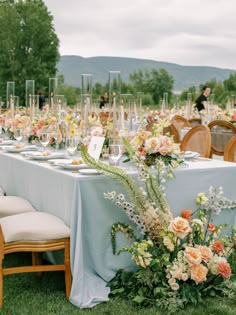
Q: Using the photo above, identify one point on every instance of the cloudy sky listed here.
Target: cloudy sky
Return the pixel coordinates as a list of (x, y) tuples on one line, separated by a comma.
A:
[(186, 32)]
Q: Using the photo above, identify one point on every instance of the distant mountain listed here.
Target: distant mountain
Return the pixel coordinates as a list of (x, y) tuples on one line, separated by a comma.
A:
[(72, 67)]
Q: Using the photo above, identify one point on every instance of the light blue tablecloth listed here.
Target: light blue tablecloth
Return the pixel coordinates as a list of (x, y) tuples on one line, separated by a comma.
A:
[(79, 201)]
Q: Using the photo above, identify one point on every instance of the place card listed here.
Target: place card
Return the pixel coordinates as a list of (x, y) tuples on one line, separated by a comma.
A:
[(95, 147)]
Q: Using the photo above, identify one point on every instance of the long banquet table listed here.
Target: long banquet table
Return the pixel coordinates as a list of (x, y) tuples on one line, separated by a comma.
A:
[(79, 201)]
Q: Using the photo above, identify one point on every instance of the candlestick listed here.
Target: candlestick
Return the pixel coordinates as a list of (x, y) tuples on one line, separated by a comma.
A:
[(122, 117)]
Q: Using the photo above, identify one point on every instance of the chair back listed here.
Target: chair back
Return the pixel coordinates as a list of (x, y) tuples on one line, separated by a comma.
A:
[(197, 139), (195, 121), (179, 122), (230, 150), (221, 132)]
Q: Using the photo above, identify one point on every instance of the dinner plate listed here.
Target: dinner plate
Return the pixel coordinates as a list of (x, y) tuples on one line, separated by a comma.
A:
[(40, 156), (6, 142), (191, 155), (89, 171), (72, 167), (13, 149), (61, 161)]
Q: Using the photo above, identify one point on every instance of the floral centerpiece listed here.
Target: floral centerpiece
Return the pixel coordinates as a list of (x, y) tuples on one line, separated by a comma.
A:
[(176, 260)]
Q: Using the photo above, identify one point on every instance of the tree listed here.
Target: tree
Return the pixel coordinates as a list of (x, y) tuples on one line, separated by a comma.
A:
[(154, 82), (29, 45)]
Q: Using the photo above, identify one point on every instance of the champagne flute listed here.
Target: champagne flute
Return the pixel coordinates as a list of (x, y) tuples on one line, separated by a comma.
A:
[(71, 145), (18, 134), (115, 152), (44, 139)]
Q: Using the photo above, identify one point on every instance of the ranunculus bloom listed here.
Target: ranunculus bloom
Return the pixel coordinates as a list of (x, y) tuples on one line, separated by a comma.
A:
[(218, 246), (186, 214), (224, 269), (211, 227), (193, 255), (199, 273), (180, 227), (206, 253)]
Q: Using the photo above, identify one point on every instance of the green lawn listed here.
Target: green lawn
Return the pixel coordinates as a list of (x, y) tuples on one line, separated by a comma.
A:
[(27, 294)]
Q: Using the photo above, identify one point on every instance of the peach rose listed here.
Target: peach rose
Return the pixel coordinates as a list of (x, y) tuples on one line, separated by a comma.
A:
[(218, 246), (193, 255), (206, 253), (180, 227), (198, 273), (186, 214), (224, 269)]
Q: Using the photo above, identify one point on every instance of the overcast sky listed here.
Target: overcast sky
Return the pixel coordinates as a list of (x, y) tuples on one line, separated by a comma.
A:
[(186, 32)]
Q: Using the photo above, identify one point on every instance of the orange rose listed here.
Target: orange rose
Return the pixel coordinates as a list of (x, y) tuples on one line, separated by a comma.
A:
[(218, 246), (211, 227), (206, 253), (180, 227), (193, 255), (224, 269), (199, 273), (186, 214)]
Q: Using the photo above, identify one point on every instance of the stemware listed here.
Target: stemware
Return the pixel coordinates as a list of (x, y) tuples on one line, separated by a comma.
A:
[(115, 152), (18, 134), (71, 145), (44, 139)]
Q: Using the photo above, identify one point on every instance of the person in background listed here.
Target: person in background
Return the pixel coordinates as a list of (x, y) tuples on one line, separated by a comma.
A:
[(201, 100), (41, 100), (102, 102), (106, 98)]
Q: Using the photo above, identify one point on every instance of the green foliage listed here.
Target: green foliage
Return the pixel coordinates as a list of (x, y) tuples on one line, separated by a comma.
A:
[(154, 82), (29, 46)]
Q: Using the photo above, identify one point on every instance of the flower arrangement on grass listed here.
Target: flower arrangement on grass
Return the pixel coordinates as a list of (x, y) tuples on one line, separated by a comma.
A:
[(176, 261)]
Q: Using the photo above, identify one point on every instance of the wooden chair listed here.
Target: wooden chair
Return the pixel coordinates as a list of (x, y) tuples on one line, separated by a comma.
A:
[(197, 139), (230, 150), (195, 121), (103, 117), (34, 232), (221, 132), (179, 122), (11, 205), (171, 130)]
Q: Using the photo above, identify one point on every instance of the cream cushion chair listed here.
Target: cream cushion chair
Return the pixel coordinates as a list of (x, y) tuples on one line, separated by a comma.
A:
[(34, 232), (10, 205)]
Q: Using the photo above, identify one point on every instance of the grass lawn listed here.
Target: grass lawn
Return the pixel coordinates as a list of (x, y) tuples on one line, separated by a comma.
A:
[(27, 294)]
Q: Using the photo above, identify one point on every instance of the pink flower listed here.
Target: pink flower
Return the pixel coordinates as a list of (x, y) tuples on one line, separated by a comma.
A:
[(199, 273), (166, 141), (224, 269), (164, 150)]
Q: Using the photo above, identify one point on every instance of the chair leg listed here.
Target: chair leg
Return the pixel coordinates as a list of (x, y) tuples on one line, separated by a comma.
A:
[(37, 260), (1, 285), (68, 277)]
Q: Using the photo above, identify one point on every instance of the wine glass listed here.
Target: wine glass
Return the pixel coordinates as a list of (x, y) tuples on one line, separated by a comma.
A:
[(115, 152), (18, 134), (44, 138), (71, 145)]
